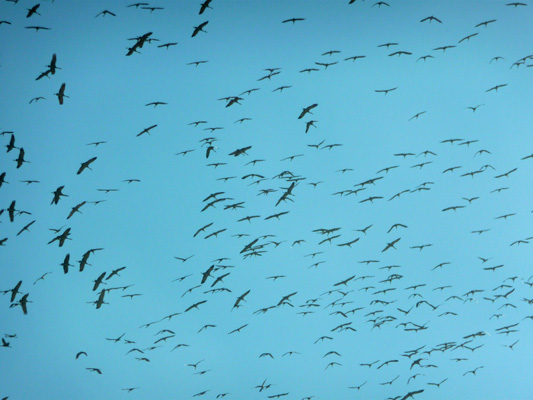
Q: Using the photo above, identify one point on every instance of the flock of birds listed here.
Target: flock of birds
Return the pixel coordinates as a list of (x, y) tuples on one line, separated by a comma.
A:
[(374, 296)]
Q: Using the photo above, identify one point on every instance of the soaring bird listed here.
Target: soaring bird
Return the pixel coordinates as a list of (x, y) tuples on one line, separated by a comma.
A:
[(86, 165), (430, 19), (26, 228), (33, 10), (293, 20), (23, 301), (306, 110), (52, 67), (15, 290), (37, 28), (58, 193), (199, 28), (61, 94), (146, 130), (11, 145), (104, 13), (11, 211), (204, 6), (20, 159), (385, 90)]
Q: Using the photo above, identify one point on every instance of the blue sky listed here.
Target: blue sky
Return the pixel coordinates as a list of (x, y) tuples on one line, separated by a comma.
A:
[(148, 225)]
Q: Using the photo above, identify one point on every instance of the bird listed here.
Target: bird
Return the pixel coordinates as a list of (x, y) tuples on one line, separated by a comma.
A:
[(391, 244), (147, 130), (61, 94), (431, 19), (86, 165), (36, 99), (485, 23), (204, 6), (58, 193), (199, 28), (306, 110), (293, 20), (20, 158), (38, 28), (32, 11), (385, 90), (97, 370), (26, 227), (495, 88), (104, 13)]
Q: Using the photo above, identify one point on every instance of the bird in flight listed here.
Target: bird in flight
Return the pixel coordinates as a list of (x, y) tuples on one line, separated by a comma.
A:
[(495, 88), (85, 165), (38, 28), (430, 19), (61, 93), (33, 10), (485, 23), (293, 20), (199, 28), (385, 90), (104, 13), (306, 110), (204, 6), (146, 130)]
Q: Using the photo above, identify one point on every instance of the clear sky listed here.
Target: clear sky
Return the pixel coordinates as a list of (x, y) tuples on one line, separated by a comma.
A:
[(400, 208)]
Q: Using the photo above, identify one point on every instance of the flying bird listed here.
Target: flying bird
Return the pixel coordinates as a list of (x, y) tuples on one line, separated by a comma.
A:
[(293, 20), (199, 28), (306, 110), (85, 165), (61, 93), (104, 13)]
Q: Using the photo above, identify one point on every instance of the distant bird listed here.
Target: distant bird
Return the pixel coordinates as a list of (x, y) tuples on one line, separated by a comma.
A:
[(36, 99), (468, 37), (326, 65), (156, 103), (495, 88), (61, 94), (199, 28), (23, 303), (430, 19), (15, 291), (95, 370), (20, 159), (444, 48), (417, 115), (58, 193), (146, 130), (391, 244), (80, 354), (306, 110), (95, 144), (485, 23), (85, 165), (26, 228), (33, 10), (385, 90), (197, 63), (11, 145), (400, 53), (37, 28), (293, 20), (387, 45), (104, 13), (204, 6)]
